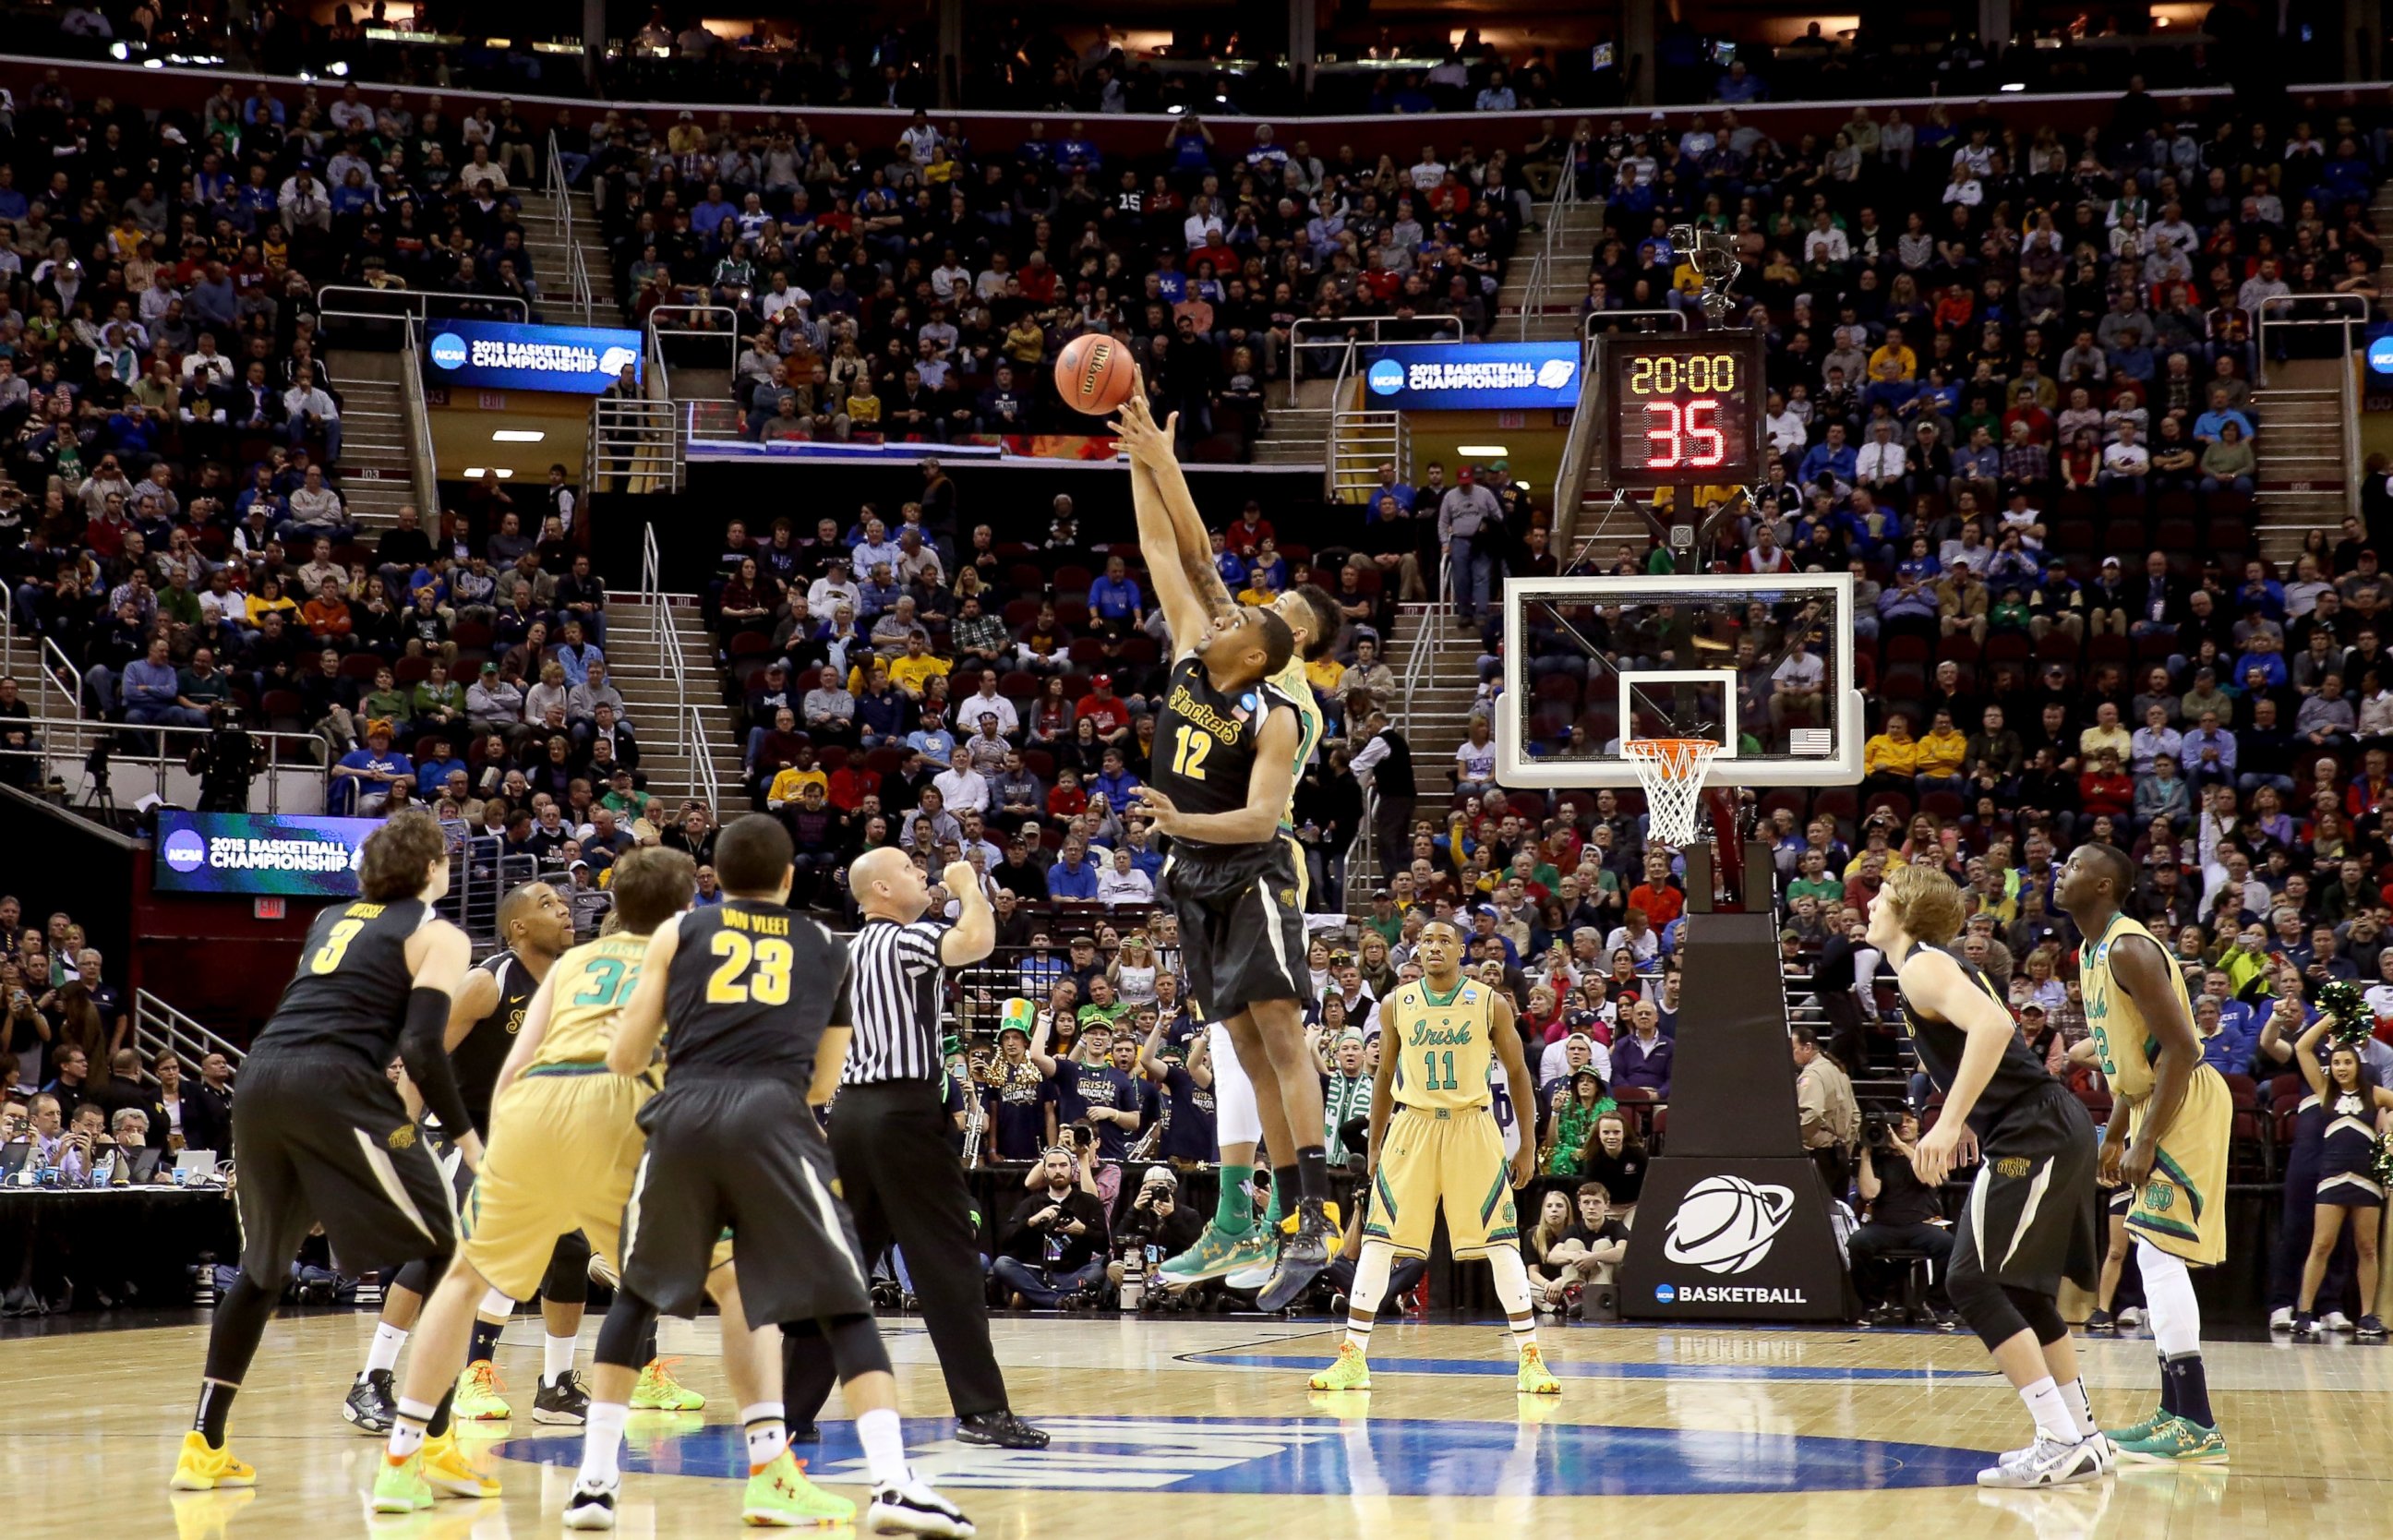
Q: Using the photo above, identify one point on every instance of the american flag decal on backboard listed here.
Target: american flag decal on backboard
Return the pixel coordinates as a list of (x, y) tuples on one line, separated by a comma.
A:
[(1808, 740)]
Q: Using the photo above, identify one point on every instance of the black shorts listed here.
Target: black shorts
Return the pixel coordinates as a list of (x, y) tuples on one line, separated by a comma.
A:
[(2030, 1219), (2118, 1200), (1241, 925), (325, 1140), (743, 1157)]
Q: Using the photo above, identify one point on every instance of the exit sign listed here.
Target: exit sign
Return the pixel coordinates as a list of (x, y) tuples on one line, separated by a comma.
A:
[(1511, 419), (266, 909), (493, 400)]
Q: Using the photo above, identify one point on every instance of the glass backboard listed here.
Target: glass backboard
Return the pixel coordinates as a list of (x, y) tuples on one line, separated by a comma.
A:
[(1762, 666)]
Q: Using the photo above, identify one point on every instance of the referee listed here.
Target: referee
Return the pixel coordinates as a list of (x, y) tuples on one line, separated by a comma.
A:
[(888, 1133)]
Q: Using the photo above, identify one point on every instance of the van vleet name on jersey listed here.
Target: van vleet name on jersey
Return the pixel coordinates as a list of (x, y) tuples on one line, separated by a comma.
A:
[(1196, 714), (763, 924)]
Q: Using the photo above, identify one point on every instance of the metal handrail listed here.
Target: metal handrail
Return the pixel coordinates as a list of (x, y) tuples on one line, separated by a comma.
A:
[(158, 1026), (2260, 323), (689, 732), (1296, 346), (1541, 271), (77, 735), (577, 266), (1358, 431), (424, 463), (392, 303)]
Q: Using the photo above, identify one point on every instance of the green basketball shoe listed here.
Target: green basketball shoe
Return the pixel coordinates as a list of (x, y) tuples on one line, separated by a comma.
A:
[(1218, 1252), (1348, 1372), (2174, 1440)]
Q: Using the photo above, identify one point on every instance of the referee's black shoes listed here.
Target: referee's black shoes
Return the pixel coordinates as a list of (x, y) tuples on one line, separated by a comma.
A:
[(1002, 1429)]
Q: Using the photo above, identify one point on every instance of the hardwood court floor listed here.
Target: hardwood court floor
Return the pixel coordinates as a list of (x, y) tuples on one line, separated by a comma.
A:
[(1204, 1427)]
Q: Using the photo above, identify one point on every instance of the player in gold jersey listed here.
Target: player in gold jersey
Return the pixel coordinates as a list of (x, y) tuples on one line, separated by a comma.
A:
[(1434, 1143), (2166, 1139), (564, 1146)]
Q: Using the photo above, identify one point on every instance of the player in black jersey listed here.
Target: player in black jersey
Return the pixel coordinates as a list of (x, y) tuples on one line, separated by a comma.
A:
[(2030, 1219), (536, 927), (324, 1137), (1227, 744), (751, 1000)]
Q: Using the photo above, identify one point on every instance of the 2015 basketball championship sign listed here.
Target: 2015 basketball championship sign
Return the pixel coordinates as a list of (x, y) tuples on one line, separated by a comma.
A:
[(266, 854), (581, 359)]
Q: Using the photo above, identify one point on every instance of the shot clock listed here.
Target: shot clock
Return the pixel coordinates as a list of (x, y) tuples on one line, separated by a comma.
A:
[(1682, 410)]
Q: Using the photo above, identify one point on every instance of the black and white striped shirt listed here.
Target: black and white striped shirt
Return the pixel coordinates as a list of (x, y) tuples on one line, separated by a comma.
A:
[(897, 983)]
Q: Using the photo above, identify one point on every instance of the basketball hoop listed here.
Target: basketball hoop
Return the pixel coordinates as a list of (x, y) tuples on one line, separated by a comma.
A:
[(1671, 770)]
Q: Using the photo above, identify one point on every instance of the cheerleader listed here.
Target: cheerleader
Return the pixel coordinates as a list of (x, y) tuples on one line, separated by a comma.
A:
[(2295, 1225), (2347, 1184)]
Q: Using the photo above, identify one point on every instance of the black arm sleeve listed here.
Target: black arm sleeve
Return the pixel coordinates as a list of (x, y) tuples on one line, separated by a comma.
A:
[(427, 1061)]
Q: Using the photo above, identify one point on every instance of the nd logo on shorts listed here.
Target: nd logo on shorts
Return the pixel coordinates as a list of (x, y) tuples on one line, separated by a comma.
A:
[(2159, 1198)]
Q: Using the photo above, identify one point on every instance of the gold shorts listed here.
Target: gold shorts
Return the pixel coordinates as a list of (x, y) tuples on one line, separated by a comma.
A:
[(565, 1143), (2183, 1208), (1449, 1155)]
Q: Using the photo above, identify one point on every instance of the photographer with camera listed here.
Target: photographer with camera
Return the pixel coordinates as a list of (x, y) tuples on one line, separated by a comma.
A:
[(1156, 1224), (1902, 1214), (1053, 1248), (226, 761)]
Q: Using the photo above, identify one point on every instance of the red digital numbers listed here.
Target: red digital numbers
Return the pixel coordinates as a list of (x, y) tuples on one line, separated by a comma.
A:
[(1679, 434)]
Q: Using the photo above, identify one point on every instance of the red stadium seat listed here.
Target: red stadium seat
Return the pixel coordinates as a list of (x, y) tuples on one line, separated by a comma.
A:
[(1018, 685)]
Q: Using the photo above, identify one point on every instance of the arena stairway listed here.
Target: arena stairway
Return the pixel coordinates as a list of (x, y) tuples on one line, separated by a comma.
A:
[(641, 668), (1543, 306), (375, 455), (2303, 457), (1295, 437), (551, 263), (1433, 726)]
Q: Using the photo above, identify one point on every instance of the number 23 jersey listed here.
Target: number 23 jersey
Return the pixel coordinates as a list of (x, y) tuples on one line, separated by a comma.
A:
[(750, 988)]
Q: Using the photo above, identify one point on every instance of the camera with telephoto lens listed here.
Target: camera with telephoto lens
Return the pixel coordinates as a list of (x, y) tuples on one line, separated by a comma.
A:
[(1878, 1130)]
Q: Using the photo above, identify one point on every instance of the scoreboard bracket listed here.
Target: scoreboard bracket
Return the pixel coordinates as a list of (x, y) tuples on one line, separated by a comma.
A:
[(1683, 412)]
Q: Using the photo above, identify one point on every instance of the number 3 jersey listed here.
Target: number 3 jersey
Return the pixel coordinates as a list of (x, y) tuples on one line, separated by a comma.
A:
[(353, 981), (750, 988)]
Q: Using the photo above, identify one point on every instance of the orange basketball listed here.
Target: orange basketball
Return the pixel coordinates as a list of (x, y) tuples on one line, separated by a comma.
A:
[(1094, 374)]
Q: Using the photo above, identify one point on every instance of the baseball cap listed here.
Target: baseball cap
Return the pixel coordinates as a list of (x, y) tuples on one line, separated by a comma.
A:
[(1159, 1176), (1102, 680), (379, 724), (1465, 475), (2031, 1006)]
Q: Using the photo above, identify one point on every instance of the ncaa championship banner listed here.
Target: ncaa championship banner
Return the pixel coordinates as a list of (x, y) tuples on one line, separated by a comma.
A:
[(260, 853), (580, 360), (1471, 376)]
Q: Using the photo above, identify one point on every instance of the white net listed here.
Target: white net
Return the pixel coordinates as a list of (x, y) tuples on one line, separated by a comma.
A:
[(1672, 771)]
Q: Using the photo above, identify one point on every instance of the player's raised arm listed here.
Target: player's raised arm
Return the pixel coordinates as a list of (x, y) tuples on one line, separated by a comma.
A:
[(642, 1023), (1190, 540), (1934, 983), (2142, 969), (1188, 610), (1268, 791)]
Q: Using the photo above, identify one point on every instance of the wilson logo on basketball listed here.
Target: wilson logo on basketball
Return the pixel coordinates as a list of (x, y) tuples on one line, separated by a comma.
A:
[(1726, 1225), (1093, 366)]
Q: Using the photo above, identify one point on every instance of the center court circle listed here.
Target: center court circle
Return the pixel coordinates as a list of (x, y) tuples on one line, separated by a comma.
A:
[(1328, 1456)]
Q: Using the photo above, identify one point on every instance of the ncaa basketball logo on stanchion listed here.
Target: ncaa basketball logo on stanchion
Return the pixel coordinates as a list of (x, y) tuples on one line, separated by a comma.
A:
[(1726, 1225)]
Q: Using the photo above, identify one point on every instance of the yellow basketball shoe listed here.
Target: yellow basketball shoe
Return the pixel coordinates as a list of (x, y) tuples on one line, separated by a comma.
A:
[(1349, 1371), (478, 1394), (658, 1391), (1536, 1380), (779, 1496), (400, 1486), (201, 1468), (450, 1473)]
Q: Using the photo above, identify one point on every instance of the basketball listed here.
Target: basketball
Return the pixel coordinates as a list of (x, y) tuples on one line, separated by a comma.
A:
[(1094, 375)]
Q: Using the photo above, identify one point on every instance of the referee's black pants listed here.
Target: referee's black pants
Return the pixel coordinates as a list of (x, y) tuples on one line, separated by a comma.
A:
[(903, 1182)]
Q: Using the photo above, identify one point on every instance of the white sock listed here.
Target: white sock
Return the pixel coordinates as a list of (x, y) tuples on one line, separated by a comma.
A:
[(2170, 1304), (2080, 1407), (496, 1307), (556, 1355), (1512, 1292), (406, 1429), (383, 1355), (767, 1433), (884, 1447), (1370, 1288), (602, 1442), (2052, 1415)]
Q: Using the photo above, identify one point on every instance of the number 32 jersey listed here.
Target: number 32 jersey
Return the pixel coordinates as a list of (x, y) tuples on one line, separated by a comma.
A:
[(585, 1004), (750, 989)]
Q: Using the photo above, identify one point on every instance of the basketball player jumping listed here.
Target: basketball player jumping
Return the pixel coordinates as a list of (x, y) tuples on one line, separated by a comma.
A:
[(323, 1136), (1443, 1148), (2166, 1139), (1228, 741), (535, 927), (758, 998), (2031, 1221), (1234, 1246)]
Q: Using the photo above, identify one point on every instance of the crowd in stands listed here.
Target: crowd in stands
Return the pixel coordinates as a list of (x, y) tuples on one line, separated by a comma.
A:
[(920, 288)]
